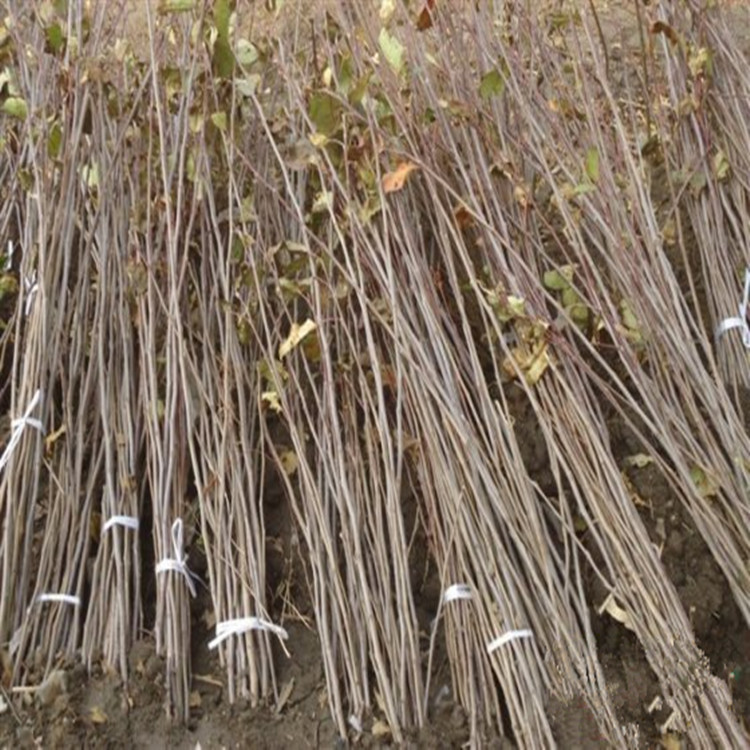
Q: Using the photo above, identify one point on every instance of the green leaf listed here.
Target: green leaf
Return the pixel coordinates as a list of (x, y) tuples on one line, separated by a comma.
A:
[(176, 6), (592, 164), (219, 119), (25, 179), (190, 167), (631, 326), (579, 314), (721, 165), (55, 38), (579, 524), (575, 307), (507, 309), (223, 59), (701, 62), (561, 20), (222, 13), (54, 142), (575, 191), (698, 183), (570, 298), (556, 280), (358, 91), (325, 113), (15, 106), (346, 75), (491, 85), (8, 285), (246, 53), (90, 174), (628, 316), (706, 485), (248, 86), (392, 49)]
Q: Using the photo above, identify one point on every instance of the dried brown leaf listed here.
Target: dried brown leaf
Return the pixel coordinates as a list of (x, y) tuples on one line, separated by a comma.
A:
[(395, 181)]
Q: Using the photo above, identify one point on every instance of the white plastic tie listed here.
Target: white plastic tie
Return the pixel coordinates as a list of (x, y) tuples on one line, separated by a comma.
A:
[(127, 522), (511, 635), (75, 601), (31, 287), (740, 321), (8, 264), (18, 426), (228, 628), (457, 591), (178, 563)]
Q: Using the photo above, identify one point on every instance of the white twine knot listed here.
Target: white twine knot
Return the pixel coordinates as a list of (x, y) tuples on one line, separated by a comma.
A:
[(18, 426), (178, 563), (8, 260), (511, 635), (127, 522), (454, 592), (740, 321), (31, 287), (62, 598), (457, 591), (228, 628)]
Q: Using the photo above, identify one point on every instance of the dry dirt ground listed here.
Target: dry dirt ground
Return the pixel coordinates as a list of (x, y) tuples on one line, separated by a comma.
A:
[(97, 710)]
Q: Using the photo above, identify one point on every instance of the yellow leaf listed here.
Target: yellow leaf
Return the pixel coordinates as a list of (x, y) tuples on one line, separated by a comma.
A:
[(532, 356), (536, 366), (289, 462), (323, 202), (671, 741), (380, 729), (616, 612), (638, 460), (395, 181), (701, 62), (272, 399), (392, 49), (521, 195), (52, 438), (387, 9), (97, 716), (209, 618), (296, 335)]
